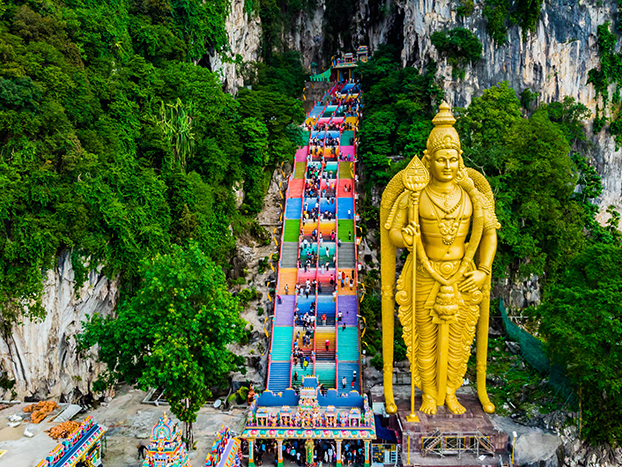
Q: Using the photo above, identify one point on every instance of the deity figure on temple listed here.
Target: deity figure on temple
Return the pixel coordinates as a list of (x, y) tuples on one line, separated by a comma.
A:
[(443, 213)]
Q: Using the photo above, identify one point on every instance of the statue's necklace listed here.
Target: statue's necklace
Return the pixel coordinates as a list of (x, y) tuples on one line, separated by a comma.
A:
[(446, 202), (448, 227)]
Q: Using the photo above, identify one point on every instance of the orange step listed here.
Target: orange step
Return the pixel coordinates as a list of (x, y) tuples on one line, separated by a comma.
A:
[(287, 276), (346, 289)]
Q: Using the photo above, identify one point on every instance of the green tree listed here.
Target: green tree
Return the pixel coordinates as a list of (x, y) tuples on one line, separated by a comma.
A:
[(398, 111), (90, 163), (460, 46), (176, 124), (173, 333), (582, 323), (528, 164)]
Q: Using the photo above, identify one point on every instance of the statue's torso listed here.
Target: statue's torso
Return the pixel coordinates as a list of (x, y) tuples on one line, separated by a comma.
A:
[(445, 226)]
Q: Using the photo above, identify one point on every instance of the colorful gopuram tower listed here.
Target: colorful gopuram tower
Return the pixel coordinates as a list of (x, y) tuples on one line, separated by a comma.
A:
[(166, 448)]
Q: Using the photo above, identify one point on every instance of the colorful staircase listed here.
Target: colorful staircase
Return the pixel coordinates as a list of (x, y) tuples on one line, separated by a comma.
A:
[(334, 257)]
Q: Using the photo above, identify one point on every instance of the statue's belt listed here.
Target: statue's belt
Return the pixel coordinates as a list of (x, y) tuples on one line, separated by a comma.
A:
[(447, 269)]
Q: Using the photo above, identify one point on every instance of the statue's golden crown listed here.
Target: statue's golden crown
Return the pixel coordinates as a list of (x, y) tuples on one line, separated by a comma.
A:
[(444, 135)]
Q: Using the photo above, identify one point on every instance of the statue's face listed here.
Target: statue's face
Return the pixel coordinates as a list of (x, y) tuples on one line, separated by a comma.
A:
[(444, 165)]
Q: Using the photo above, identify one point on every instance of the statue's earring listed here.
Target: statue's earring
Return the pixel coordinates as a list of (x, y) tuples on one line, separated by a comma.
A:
[(461, 176)]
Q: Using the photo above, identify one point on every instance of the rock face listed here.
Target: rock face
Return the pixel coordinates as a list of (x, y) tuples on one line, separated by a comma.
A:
[(553, 61), (244, 33), (41, 356)]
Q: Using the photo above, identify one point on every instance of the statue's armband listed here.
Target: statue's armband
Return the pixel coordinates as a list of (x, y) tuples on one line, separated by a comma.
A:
[(490, 218)]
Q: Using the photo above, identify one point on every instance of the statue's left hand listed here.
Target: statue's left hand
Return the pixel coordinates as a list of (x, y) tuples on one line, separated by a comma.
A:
[(473, 281)]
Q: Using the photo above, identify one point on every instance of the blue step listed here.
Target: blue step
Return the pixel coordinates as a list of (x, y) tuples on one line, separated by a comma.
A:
[(293, 210), (279, 376), (343, 206), (347, 369)]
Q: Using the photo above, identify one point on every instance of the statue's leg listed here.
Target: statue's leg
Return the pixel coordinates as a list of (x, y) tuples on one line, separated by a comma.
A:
[(482, 351), (454, 363), (388, 325), (427, 336), (461, 336)]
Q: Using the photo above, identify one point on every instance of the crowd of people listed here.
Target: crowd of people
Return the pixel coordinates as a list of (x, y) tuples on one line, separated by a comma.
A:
[(324, 454)]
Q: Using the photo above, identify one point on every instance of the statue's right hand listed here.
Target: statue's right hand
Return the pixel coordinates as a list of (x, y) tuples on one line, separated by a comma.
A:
[(408, 234)]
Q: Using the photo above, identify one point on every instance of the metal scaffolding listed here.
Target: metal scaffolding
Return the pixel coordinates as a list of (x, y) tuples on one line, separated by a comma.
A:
[(452, 444)]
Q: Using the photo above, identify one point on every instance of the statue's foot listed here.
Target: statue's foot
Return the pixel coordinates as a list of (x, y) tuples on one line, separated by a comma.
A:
[(453, 405), (391, 407), (389, 402), (428, 405), (488, 406)]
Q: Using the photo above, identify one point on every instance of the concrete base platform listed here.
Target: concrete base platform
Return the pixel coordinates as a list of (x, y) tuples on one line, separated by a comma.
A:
[(459, 429)]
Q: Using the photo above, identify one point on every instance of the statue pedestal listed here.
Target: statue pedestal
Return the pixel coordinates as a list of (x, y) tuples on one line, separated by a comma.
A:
[(471, 432)]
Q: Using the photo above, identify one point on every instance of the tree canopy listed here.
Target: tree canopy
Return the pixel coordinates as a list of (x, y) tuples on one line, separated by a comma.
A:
[(115, 144), (173, 333), (582, 324)]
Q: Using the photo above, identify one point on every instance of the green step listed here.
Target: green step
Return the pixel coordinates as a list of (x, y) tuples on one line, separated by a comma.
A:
[(345, 138), (299, 170), (326, 375), (345, 170), (292, 230), (343, 227), (282, 343), (301, 373), (304, 138)]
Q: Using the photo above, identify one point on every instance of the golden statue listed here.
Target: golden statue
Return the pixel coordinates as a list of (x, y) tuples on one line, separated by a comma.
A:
[(430, 208)]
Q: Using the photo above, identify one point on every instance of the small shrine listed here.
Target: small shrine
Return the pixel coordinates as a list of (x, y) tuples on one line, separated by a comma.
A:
[(166, 448), (362, 53), (82, 446), (344, 68)]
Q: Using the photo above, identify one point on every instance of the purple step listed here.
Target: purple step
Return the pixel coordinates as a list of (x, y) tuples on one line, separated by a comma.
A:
[(284, 314), (347, 305)]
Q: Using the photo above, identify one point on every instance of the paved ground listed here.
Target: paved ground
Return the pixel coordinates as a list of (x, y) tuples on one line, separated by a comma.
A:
[(129, 422)]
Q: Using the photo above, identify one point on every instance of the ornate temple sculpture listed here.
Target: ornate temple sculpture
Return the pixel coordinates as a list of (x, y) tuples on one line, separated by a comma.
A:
[(430, 208)]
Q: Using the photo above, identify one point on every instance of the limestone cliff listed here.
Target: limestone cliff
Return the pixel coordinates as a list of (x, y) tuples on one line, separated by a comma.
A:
[(244, 33), (553, 61), (41, 355)]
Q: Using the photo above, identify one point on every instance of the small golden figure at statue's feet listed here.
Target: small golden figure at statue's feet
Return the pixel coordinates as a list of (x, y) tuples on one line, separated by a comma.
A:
[(453, 405), (428, 405)]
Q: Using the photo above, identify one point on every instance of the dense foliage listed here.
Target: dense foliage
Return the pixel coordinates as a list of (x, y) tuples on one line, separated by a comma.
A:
[(582, 322), (398, 111), (609, 72), (465, 8), (116, 145), (500, 14), (543, 221), (171, 334), (460, 46)]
